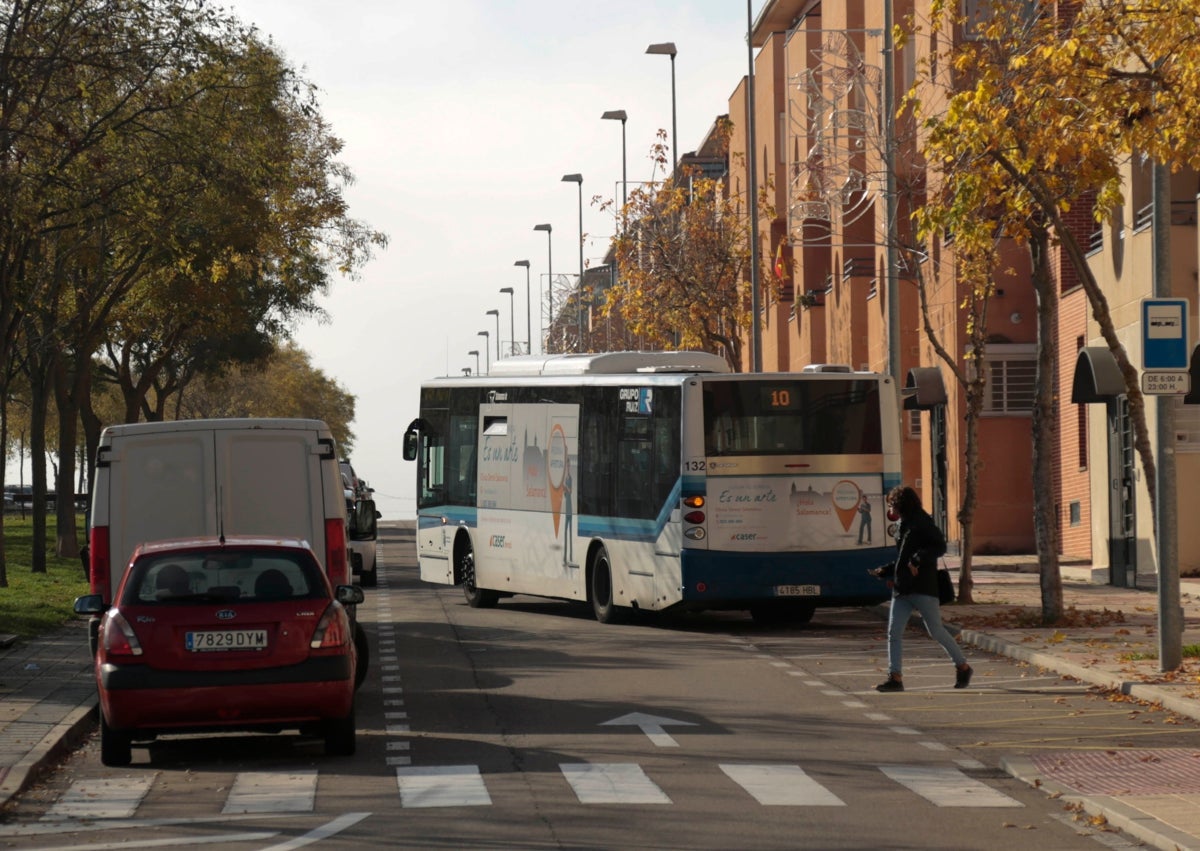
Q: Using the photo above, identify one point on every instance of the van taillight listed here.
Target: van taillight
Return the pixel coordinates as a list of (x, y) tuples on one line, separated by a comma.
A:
[(119, 637), (98, 566), (335, 552)]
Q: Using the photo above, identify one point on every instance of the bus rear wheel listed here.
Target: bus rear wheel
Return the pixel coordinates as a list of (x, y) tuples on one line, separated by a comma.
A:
[(477, 598), (601, 590)]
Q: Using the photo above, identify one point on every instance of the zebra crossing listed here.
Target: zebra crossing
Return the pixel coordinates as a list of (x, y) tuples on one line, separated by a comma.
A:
[(295, 792), (627, 783), (279, 793)]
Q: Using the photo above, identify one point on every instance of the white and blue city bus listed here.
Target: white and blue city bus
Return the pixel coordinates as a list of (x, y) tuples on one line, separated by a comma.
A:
[(655, 481)]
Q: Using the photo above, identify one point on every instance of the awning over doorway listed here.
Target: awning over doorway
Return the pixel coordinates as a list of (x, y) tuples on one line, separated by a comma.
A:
[(923, 389), (1097, 376)]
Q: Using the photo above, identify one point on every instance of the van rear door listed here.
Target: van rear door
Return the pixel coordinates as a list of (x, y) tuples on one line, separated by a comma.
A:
[(162, 486), (271, 482)]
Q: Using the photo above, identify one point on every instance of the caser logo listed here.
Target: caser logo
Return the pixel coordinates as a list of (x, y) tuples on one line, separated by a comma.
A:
[(744, 536)]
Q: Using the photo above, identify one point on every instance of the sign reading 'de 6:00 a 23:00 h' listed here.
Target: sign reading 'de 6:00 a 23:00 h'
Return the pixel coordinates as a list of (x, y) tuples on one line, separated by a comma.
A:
[(1165, 346)]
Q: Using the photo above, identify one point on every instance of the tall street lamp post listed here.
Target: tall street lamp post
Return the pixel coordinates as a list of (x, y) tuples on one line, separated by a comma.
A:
[(577, 179), (487, 353), (495, 312), (619, 115), (528, 314), (512, 322), (550, 282), (476, 353), (668, 49)]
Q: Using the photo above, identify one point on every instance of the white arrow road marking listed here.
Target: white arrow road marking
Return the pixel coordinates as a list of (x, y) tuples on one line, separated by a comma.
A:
[(323, 832), (651, 725)]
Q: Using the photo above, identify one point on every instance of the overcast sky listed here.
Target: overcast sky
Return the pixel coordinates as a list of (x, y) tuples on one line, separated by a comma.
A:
[(459, 120)]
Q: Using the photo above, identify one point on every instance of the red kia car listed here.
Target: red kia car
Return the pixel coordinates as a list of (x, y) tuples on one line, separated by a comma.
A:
[(220, 634)]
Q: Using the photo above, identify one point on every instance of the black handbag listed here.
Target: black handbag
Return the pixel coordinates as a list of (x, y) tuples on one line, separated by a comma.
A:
[(945, 586)]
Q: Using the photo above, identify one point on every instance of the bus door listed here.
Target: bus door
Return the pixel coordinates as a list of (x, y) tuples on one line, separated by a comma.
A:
[(443, 445)]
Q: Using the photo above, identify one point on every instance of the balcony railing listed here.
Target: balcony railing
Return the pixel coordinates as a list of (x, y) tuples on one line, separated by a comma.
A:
[(858, 267)]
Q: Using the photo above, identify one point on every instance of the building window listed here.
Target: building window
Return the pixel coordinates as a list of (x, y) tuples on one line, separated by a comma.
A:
[(1011, 377), (1076, 513), (977, 14), (913, 421)]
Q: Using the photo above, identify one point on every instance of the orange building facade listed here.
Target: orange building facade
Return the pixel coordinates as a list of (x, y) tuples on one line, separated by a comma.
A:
[(824, 150), (821, 148)]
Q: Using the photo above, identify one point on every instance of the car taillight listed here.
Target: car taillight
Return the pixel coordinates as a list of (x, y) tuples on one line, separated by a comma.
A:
[(335, 552), (98, 566), (119, 637), (333, 630)]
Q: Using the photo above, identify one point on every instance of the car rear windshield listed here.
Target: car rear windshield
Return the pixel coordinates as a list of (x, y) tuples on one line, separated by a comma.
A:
[(224, 576)]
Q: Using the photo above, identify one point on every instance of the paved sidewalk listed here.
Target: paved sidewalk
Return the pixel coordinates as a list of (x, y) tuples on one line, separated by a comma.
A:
[(47, 697), (47, 703), (1112, 642)]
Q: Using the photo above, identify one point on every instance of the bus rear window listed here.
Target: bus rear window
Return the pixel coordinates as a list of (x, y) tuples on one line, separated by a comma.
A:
[(792, 417)]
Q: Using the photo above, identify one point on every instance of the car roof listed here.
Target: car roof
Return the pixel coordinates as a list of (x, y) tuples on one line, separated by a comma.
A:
[(218, 542)]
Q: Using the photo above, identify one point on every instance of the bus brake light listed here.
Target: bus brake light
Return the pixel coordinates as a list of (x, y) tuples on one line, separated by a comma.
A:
[(694, 517)]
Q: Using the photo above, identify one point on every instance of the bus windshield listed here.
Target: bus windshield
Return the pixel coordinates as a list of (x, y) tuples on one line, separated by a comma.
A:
[(792, 417)]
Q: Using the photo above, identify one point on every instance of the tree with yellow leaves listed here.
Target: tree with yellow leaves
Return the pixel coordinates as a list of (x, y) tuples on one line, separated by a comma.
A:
[(683, 255), (1043, 105)]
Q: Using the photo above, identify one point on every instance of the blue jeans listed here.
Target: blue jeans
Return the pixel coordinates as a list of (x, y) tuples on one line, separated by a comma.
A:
[(931, 613)]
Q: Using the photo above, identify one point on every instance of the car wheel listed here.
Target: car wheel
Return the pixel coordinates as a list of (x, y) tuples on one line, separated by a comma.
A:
[(601, 590), (341, 736), (116, 749), (477, 598), (364, 654), (370, 580)]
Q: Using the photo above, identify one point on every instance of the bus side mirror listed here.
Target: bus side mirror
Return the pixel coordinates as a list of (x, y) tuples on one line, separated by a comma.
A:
[(411, 441)]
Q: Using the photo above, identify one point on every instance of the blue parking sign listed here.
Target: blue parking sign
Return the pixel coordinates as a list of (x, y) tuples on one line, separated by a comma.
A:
[(1165, 333)]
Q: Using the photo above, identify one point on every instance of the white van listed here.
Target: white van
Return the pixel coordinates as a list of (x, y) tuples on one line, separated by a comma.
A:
[(190, 478)]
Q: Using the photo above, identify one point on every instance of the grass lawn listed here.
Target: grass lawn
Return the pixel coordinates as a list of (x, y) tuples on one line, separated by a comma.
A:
[(34, 603)]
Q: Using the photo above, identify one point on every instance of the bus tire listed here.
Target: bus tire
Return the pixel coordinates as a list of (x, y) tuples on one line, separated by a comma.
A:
[(477, 598), (600, 590)]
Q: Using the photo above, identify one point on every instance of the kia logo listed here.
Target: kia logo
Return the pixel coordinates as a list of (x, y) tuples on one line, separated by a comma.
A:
[(226, 615)]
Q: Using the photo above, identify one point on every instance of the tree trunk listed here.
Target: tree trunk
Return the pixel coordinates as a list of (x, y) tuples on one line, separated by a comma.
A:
[(1045, 421), (67, 543), (966, 514), (38, 398)]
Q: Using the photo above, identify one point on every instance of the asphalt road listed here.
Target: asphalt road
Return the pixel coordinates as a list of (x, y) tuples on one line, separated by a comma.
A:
[(532, 726)]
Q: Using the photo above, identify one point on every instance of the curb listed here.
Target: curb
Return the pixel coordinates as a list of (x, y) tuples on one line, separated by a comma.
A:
[(1122, 816), (1141, 691), (62, 738), (1127, 819)]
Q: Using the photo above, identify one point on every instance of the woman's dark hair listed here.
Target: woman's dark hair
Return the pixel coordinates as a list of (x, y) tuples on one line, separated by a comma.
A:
[(904, 500)]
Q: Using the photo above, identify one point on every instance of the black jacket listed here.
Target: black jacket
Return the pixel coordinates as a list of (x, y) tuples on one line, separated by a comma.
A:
[(918, 541)]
